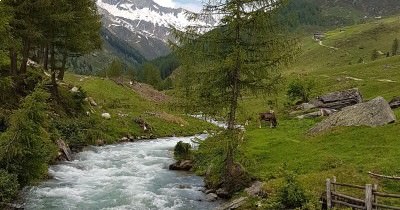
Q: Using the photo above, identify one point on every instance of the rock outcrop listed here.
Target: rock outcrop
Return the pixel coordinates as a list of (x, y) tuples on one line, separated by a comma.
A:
[(376, 112), (255, 189), (64, 152), (235, 204), (339, 99)]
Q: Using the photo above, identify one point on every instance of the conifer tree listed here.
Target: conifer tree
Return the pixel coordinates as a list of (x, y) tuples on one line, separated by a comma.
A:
[(242, 53)]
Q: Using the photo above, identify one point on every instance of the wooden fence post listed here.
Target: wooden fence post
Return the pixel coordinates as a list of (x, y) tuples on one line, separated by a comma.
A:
[(375, 197), (368, 197), (328, 194), (334, 182)]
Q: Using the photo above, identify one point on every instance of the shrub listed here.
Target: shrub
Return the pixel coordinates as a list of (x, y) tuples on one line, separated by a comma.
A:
[(292, 195), (301, 89), (8, 186), (182, 151), (26, 148)]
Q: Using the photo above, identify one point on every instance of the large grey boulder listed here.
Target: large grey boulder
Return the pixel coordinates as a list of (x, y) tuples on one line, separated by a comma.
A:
[(376, 112), (339, 99)]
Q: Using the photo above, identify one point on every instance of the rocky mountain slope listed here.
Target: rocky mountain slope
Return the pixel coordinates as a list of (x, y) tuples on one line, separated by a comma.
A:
[(144, 24)]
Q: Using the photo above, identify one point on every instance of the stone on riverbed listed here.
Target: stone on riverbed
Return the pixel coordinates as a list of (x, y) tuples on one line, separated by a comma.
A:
[(181, 165)]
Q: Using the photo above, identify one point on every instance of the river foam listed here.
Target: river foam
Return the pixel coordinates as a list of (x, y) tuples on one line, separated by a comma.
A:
[(124, 176)]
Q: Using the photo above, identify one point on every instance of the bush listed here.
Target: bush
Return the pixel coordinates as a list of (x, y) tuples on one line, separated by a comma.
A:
[(292, 195), (26, 147), (8, 186), (301, 90), (182, 151)]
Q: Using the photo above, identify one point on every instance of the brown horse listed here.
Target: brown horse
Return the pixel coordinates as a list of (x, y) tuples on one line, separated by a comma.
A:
[(269, 117)]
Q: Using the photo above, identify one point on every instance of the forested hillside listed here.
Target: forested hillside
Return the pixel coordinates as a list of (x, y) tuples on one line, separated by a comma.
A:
[(45, 109)]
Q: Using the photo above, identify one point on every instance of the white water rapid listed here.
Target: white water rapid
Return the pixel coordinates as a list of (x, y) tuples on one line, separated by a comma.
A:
[(124, 176)]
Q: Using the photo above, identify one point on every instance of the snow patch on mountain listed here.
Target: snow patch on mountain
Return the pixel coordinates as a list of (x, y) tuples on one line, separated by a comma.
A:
[(155, 14)]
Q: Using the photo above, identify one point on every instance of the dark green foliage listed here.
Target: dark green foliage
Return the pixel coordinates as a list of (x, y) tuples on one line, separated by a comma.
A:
[(301, 12), (114, 70), (182, 151), (209, 160), (166, 64), (395, 47), (167, 84), (26, 147), (301, 89), (79, 132), (8, 186), (151, 75), (292, 195)]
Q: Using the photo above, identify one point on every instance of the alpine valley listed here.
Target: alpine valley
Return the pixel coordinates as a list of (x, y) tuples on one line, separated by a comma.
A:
[(134, 31)]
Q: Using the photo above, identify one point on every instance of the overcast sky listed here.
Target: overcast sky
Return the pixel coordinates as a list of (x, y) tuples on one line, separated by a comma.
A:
[(192, 5)]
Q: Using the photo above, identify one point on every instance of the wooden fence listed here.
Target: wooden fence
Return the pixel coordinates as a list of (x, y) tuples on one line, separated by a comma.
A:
[(370, 201)]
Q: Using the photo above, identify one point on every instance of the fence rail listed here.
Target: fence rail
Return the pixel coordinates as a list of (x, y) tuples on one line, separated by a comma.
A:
[(370, 201)]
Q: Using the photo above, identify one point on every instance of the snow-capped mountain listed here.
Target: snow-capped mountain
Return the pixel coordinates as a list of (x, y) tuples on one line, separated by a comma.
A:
[(144, 24)]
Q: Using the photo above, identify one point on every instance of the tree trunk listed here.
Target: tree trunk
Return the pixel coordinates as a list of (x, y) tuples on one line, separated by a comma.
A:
[(60, 75), (53, 70), (25, 57), (234, 80), (46, 57), (13, 61)]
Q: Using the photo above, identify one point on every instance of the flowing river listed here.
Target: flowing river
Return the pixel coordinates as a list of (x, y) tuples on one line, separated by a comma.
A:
[(123, 176)]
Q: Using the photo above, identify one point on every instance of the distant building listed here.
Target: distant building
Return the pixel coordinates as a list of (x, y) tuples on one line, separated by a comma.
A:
[(319, 35)]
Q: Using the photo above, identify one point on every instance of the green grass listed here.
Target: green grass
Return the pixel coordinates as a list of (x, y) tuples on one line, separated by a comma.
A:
[(347, 153), (117, 99)]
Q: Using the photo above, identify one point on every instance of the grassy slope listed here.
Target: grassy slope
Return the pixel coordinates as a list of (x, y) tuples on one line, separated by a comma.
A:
[(348, 153), (116, 99)]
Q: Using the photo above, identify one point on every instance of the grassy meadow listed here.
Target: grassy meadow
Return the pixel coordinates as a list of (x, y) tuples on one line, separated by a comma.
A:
[(347, 153), (124, 104)]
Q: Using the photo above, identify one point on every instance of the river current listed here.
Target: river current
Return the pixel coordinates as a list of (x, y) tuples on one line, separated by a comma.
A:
[(123, 176)]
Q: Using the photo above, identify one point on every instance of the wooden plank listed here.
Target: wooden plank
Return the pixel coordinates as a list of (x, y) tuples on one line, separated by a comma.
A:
[(349, 185), (384, 176), (328, 194), (347, 197), (348, 204), (375, 197), (386, 207), (368, 197), (386, 195)]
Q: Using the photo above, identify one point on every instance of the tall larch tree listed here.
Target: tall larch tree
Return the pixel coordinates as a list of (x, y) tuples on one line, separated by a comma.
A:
[(241, 53)]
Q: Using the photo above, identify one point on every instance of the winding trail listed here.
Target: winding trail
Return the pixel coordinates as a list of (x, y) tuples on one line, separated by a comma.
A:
[(330, 47)]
